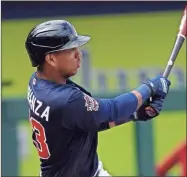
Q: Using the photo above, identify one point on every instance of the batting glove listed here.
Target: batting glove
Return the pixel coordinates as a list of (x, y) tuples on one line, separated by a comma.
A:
[(149, 110), (159, 86)]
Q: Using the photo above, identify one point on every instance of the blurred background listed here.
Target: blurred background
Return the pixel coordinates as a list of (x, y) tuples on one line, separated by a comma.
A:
[(130, 41)]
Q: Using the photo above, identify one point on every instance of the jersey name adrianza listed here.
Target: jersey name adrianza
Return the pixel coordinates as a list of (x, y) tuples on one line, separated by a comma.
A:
[(37, 106)]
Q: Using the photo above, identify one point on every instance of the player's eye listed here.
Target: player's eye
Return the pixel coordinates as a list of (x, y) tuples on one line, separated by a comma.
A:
[(73, 49)]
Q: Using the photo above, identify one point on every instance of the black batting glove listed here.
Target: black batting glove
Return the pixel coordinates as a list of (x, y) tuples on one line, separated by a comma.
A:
[(150, 109)]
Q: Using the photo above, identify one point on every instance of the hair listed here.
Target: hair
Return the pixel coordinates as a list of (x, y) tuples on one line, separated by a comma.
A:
[(40, 67)]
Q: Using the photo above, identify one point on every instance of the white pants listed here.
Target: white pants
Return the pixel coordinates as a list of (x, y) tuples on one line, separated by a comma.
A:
[(100, 171)]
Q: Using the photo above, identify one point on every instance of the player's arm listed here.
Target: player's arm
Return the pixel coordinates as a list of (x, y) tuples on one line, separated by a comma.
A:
[(149, 110), (93, 114), (89, 114)]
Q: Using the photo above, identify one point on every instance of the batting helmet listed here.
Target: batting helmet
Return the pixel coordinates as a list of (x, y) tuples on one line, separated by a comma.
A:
[(52, 36)]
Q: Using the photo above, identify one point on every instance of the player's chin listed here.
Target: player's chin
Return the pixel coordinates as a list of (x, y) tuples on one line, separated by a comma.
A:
[(76, 69), (74, 72)]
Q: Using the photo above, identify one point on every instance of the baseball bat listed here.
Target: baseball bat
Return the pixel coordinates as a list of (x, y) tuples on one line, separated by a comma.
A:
[(181, 36)]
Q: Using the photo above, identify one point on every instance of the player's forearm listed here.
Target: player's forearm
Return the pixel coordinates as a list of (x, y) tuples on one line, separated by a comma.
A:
[(122, 107)]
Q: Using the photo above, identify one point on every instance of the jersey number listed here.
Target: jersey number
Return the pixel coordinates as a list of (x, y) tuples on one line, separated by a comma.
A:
[(41, 145)]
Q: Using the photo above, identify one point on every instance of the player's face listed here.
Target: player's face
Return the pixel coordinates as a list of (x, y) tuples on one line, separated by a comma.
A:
[(68, 61)]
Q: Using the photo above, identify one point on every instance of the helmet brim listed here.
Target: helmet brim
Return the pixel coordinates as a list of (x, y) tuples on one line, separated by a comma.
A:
[(78, 41)]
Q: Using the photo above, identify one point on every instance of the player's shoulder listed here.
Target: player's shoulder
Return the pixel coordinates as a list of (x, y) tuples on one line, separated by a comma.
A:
[(65, 93), (52, 93)]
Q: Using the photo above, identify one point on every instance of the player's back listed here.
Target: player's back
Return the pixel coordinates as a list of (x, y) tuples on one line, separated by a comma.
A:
[(63, 151)]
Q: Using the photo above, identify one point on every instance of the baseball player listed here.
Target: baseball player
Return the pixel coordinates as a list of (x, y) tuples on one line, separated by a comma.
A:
[(65, 118)]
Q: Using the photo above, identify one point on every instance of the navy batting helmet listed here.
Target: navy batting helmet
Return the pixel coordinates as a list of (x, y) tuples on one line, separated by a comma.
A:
[(52, 36)]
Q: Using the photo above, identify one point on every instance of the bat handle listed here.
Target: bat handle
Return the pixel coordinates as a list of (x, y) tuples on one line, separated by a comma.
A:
[(168, 69)]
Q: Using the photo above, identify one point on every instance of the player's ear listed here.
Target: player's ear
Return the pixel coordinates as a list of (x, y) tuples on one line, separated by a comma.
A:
[(50, 59)]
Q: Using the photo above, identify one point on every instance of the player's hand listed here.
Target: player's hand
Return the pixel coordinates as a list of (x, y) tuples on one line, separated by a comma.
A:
[(150, 109), (159, 86)]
